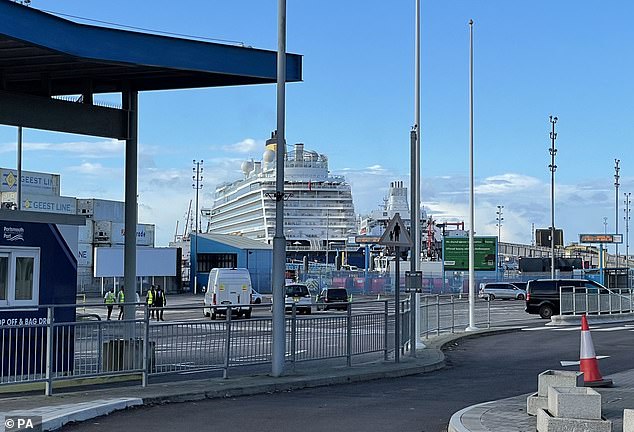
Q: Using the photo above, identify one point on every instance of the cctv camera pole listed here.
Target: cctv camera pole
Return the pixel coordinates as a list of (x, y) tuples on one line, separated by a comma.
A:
[(553, 168), (616, 203), (197, 177), (279, 242), (472, 325)]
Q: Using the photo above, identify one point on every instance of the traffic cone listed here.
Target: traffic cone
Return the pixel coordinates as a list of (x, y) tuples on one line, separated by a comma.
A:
[(588, 363)]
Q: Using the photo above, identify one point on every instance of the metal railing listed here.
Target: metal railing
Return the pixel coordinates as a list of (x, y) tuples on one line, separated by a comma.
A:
[(587, 300), (54, 345), (450, 313)]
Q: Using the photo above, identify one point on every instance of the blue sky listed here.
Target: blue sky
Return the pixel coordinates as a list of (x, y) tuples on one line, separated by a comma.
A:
[(566, 58)]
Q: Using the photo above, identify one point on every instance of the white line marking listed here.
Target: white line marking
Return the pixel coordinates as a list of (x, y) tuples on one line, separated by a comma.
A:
[(565, 363), (612, 328)]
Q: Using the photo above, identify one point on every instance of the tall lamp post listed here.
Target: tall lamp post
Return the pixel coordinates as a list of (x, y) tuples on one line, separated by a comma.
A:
[(553, 168), (278, 325), (472, 325), (198, 185), (499, 220), (616, 204), (627, 203)]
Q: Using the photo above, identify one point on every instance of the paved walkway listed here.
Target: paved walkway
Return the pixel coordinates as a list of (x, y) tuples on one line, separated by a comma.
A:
[(63, 408), (509, 415)]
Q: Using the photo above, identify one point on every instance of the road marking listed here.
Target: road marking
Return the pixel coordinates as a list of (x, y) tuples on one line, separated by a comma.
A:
[(565, 363), (612, 328)]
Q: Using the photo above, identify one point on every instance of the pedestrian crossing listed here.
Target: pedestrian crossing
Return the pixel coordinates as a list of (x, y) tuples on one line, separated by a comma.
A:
[(602, 328)]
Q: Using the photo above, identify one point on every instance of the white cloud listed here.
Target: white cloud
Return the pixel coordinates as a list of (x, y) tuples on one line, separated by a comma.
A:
[(247, 145), (93, 169), (98, 149), (506, 183)]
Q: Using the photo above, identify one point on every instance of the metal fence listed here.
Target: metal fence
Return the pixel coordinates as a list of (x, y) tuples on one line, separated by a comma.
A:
[(56, 346), (59, 343), (449, 282), (584, 300), (450, 313)]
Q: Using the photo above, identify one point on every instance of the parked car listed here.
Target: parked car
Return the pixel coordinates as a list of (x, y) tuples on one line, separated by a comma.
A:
[(542, 295), (328, 296), (297, 294), (228, 286), (256, 297), (501, 290)]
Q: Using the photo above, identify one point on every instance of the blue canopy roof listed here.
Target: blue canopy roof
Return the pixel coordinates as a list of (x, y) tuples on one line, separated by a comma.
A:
[(42, 54)]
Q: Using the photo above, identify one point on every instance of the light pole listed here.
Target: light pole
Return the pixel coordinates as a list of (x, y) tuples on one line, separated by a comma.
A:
[(553, 168), (198, 185), (499, 220), (278, 325), (616, 204), (472, 325), (327, 237), (627, 228)]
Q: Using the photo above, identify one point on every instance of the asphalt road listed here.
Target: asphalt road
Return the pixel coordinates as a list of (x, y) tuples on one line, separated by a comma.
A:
[(479, 370)]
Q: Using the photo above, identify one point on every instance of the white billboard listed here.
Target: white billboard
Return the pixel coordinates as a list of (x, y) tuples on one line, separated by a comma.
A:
[(149, 262)]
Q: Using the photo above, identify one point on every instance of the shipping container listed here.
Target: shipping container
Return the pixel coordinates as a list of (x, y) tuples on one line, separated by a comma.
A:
[(99, 209), (84, 255), (113, 211), (50, 204), (102, 232), (85, 232), (8, 199), (35, 183), (144, 234)]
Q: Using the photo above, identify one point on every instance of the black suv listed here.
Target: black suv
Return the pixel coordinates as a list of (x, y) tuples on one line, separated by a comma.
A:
[(339, 296), (542, 295)]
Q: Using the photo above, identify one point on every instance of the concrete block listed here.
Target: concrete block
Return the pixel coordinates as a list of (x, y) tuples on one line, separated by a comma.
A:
[(535, 402), (557, 378), (628, 420), (574, 403), (547, 423)]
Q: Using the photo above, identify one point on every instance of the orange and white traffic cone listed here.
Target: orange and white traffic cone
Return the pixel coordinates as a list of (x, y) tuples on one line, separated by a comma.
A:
[(588, 363)]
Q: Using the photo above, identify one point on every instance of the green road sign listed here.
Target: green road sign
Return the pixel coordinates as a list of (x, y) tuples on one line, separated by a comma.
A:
[(456, 253)]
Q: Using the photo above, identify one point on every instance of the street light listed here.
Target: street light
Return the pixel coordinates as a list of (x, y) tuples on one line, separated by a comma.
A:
[(553, 168), (616, 205), (627, 227), (499, 220), (198, 185)]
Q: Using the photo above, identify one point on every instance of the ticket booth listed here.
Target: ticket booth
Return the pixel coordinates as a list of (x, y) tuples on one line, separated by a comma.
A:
[(38, 268)]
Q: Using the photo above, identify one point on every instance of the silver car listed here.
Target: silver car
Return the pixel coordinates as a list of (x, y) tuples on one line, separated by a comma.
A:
[(501, 290)]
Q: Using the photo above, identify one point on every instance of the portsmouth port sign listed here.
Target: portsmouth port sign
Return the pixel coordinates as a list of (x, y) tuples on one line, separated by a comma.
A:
[(456, 253)]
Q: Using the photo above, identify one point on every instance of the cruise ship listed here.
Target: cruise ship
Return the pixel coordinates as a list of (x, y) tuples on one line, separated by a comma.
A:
[(318, 212)]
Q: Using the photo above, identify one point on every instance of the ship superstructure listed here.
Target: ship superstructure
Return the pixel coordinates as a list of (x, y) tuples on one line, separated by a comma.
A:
[(318, 209)]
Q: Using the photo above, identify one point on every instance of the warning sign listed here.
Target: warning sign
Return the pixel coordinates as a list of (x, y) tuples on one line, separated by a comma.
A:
[(396, 234)]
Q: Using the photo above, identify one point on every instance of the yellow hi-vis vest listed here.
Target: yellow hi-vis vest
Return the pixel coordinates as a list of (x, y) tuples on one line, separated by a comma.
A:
[(109, 298), (121, 297), (150, 297)]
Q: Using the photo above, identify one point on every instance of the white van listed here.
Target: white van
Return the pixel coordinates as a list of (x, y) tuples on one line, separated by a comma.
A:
[(228, 286)]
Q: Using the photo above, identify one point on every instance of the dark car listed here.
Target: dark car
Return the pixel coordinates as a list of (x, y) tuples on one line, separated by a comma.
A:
[(542, 295), (328, 296)]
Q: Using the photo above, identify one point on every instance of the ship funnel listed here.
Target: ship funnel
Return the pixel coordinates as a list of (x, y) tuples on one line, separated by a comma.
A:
[(299, 152), (271, 143)]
